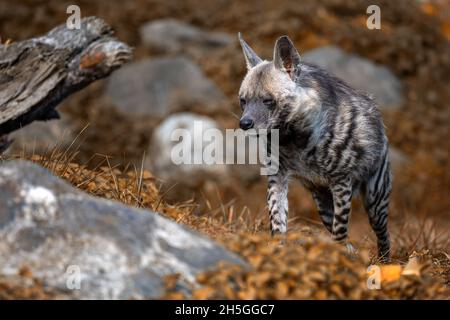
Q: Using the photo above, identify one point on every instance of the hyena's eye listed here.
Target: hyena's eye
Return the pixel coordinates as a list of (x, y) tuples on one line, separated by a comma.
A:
[(269, 102), (242, 102)]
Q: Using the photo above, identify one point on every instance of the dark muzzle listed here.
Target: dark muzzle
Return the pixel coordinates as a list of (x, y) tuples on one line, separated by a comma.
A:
[(246, 123)]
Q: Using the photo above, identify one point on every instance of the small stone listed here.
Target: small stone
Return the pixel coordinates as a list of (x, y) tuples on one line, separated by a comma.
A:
[(162, 147)]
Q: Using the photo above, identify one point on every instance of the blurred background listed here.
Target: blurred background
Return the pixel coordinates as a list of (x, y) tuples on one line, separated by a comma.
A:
[(188, 65)]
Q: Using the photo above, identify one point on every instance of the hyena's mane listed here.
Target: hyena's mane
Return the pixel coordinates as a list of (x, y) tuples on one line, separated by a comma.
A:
[(339, 106), (332, 90)]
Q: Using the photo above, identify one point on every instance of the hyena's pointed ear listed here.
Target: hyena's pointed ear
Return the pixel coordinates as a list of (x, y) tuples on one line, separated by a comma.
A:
[(251, 58), (286, 57)]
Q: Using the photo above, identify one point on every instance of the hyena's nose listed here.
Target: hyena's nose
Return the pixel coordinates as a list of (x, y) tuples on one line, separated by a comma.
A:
[(246, 123)]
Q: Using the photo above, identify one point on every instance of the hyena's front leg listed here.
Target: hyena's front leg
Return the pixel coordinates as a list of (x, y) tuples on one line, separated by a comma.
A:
[(342, 200), (277, 202)]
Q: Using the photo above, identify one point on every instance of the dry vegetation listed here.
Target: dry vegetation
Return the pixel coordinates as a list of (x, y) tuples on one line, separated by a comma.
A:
[(308, 265)]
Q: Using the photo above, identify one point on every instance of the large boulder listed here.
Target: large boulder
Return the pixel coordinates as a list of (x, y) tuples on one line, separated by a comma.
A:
[(174, 36), (61, 234), (157, 87), (360, 73)]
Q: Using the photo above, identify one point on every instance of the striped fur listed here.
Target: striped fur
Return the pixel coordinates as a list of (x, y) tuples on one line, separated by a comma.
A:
[(331, 138)]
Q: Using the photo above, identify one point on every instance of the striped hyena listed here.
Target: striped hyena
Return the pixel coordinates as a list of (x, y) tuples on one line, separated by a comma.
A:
[(331, 137)]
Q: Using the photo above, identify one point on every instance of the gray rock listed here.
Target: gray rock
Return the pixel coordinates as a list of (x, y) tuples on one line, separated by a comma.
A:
[(360, 73), (117, 252), (174, 36), (43, 136), (158, 87), (162, 146)]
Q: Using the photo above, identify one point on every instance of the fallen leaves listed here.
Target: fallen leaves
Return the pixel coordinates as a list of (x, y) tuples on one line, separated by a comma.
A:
[(413, 268), (313, 268), (390, 273), (24, 286)]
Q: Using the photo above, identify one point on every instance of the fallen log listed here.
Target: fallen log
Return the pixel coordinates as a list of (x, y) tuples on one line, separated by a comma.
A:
[(37, 74)]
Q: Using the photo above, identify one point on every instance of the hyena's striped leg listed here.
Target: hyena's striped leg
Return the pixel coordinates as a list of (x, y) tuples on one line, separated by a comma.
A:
[(277, 202), (342, 201), (324, 202), (376, 201)]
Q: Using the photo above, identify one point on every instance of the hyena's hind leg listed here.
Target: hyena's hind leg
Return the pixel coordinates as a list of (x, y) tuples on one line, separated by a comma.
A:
[(376, 192), (342, 201), (334, 205), (324, 201)]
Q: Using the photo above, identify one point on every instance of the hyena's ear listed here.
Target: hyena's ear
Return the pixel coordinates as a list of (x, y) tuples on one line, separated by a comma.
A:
[(286, 57), (251, 58)]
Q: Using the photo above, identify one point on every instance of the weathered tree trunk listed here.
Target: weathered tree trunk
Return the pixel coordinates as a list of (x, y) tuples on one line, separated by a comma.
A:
[(37, 74)]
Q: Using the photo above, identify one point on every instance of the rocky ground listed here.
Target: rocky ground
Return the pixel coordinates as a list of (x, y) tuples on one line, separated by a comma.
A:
[(188, 65), (307, 266)]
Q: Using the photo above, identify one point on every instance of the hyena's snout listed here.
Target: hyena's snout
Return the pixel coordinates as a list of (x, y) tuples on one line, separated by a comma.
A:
[(246, 123)]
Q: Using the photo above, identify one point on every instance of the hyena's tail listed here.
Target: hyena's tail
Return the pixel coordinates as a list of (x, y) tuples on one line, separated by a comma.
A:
[(376, 192)]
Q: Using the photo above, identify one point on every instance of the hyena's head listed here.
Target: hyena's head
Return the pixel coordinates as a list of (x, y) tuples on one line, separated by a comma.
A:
[(269, 86)]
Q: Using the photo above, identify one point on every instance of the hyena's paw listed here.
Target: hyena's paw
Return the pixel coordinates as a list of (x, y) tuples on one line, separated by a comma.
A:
[(281, 243), (279, 238), (351, 249)]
